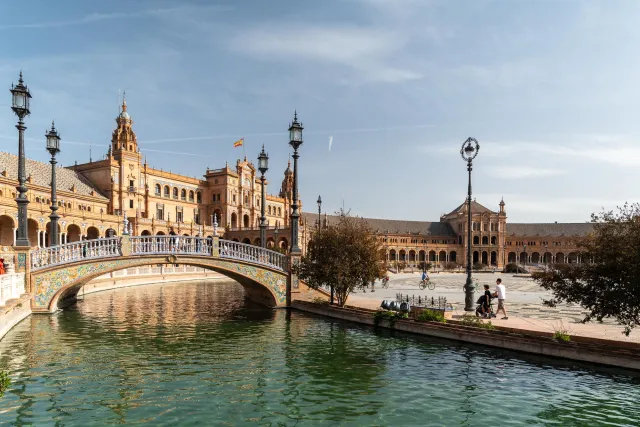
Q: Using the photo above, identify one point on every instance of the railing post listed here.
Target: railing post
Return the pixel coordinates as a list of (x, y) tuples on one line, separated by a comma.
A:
[(23, 265), (293, 279), (215, 247), (125, 245)]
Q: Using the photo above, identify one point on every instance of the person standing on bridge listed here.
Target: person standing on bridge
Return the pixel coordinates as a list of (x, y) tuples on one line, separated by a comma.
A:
[(172, 239)]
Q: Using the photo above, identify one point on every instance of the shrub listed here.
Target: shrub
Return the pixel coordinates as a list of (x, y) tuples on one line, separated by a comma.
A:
[(512, 267), (449, 266), (431, 316), (476, 322), (5, 382), (319, 300), (561, 336), (479, 266)]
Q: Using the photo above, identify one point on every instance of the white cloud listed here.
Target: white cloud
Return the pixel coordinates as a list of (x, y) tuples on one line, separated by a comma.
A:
[(96, 17), (613, 150), (367, 51), (545, 208), (523, 172)]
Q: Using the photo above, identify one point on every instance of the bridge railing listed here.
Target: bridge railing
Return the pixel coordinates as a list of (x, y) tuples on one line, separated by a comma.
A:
[(256, 254), (76, 251), (163, 245)]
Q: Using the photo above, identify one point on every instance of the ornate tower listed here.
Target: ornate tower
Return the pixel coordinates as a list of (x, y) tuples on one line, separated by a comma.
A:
[(128, 189), (286, 192)]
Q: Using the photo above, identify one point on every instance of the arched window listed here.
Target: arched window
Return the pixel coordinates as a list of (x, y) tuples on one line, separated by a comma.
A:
[(183, 194), (158, 190), (166, 191), (269, 209), (476, 240), (175, 193), (279, 211), (198, 197), (191, 196)]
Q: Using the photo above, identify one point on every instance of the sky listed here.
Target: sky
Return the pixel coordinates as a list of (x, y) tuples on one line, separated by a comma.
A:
[(550, 90)]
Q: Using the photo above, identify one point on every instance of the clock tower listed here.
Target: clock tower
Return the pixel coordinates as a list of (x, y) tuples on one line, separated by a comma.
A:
[(129, 187)]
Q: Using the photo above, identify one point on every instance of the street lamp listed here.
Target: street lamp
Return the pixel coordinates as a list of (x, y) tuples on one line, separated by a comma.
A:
[(319, 212), (53, 146), (275, 234), (20, 105), (469, 151), (295, 140), (263, 167)]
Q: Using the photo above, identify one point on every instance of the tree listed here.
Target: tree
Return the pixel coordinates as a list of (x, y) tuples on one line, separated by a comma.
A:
[(607, 282), (344, 256)]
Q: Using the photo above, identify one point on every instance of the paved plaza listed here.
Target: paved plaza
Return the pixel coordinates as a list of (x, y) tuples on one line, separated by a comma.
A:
[(524, 303)]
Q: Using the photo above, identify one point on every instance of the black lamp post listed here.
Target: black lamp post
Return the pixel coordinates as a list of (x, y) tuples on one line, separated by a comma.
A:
[(295, 140), (263, 167), (20, 106), (469, 151), (53, 146), (319, 212)]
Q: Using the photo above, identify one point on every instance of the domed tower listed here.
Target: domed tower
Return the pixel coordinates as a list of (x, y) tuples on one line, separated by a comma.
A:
[(124, 138), (286, 190), (128, 184)]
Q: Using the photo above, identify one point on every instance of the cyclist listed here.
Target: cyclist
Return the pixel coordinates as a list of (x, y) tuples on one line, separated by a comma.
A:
[(425, 276)]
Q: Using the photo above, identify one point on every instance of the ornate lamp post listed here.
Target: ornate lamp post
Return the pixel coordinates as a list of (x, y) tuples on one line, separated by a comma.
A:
[(319, 212), (295, 140), (53, 146), (20, 106), (469, 151), (263, 167)]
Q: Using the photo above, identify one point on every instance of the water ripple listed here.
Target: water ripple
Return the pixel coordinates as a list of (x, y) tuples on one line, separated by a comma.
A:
[(198, 354)]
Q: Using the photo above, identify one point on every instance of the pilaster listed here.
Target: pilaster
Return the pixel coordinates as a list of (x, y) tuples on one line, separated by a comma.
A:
[(293, 282), (23, 265)]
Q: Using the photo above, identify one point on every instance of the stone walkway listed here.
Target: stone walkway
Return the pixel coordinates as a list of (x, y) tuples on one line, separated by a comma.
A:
[(524, 303)]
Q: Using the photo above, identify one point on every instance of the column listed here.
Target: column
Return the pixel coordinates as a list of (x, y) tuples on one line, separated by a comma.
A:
[(15, 235)]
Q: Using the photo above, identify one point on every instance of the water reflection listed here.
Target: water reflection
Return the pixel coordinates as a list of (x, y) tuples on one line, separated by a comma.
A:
[(198, 352)]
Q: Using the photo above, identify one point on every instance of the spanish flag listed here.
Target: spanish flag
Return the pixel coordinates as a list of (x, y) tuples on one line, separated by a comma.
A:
[(238, 143)]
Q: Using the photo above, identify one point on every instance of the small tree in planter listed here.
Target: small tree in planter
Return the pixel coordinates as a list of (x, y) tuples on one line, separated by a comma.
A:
[(345, 256)]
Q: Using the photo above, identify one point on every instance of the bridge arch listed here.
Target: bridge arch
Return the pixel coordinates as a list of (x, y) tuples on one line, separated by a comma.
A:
[(57, 287)]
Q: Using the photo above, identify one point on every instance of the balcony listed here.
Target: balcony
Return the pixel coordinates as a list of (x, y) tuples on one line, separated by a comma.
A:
[(131, 189)]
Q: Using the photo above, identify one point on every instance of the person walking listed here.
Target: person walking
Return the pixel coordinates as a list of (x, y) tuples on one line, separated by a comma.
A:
[(501, 293)]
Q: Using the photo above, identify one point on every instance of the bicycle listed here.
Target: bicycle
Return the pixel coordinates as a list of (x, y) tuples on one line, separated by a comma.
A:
[(385, 283), (427, 284)]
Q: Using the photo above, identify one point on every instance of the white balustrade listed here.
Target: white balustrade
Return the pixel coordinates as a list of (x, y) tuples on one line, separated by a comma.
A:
[(76, 251), (11, 286), (163, 245), (154, 245), (255, 254)]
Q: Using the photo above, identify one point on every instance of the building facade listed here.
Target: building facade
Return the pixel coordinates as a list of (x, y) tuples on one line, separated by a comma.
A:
[(95, 197), (495, 242)]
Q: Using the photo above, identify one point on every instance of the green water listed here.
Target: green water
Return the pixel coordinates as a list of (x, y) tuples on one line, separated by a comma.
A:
[(197, 355)]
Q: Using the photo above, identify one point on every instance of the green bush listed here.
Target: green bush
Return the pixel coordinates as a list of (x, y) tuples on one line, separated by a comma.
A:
[(476, 322), (561, 336), (479, 266), (390, 316), (319, 300), (5, 382), (431, 316)]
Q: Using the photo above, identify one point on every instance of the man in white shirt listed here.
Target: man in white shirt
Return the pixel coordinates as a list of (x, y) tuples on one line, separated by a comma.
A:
[(501, 293)]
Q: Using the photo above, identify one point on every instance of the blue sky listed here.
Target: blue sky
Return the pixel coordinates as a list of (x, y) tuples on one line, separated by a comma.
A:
[(549, 88)]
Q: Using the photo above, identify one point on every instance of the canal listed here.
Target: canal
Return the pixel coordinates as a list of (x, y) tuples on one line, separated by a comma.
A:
[(198, 354)]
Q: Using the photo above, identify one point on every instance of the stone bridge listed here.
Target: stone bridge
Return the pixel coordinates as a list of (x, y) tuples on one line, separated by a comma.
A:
[(55, 274)]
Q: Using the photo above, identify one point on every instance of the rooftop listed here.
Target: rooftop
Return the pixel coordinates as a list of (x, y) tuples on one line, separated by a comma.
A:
[(392, 226), (566, 229), (41, 175)]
